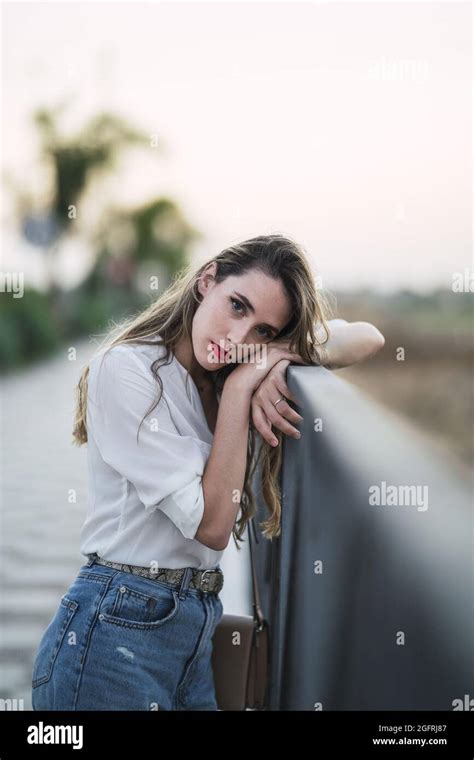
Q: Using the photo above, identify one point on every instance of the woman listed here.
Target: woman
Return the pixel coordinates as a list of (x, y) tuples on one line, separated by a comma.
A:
[(170, 474)]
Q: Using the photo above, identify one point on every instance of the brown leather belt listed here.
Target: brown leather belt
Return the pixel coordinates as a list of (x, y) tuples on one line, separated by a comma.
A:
[(209, 581)]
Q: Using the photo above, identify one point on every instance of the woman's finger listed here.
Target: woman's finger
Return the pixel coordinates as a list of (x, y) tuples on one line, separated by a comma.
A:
[(282, 388), (262, 424), (277, 376), (278, 418), (274, 384), (268, 402)]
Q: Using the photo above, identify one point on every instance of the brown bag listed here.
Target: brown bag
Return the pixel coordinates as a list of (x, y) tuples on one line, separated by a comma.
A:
[(241, 669)]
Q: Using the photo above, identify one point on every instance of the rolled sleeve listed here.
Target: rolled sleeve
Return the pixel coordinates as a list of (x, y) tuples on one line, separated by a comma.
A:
[(165, 467), (185, 507)]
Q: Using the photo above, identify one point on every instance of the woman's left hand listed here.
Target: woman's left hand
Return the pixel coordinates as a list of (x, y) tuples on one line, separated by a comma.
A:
[(264, 413)]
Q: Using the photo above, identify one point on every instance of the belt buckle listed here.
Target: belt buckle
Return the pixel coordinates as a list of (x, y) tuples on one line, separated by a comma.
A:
[(204, 580)]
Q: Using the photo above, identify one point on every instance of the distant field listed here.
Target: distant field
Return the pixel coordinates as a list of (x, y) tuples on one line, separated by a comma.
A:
[(433, 385), (437, 396)]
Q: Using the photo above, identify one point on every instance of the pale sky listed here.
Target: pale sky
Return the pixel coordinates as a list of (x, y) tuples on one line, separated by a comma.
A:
[(347, 126)]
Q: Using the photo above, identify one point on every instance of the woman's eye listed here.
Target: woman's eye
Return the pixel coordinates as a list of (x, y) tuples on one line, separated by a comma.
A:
[(239, 303)]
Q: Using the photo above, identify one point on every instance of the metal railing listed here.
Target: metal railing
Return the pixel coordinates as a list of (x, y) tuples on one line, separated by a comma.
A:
[(369, 589)]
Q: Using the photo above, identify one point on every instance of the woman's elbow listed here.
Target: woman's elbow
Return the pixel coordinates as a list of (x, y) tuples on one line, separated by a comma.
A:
[(375, 340), (379, 339), (210, 539), (219, 545)]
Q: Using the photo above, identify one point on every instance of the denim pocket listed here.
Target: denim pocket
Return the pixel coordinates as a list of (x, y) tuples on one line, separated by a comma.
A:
[(130, 608), (51, 641)]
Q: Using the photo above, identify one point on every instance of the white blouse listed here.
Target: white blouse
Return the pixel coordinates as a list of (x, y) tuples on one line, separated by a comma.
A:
[(145, 500)]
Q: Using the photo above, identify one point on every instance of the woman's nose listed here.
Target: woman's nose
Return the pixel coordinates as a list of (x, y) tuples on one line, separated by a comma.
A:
[(236, 339)]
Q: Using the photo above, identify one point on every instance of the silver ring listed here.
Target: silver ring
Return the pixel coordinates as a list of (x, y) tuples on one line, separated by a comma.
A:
[(280, 399)]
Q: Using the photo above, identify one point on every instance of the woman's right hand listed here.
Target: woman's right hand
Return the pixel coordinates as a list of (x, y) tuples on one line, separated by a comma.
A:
[(248, 375)]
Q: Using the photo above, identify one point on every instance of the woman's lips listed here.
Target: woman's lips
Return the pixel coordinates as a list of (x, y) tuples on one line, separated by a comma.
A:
[(217, 349)]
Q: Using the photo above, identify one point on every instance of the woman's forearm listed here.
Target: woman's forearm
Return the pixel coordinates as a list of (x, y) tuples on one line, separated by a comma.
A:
[(224, 474), (349, 342)]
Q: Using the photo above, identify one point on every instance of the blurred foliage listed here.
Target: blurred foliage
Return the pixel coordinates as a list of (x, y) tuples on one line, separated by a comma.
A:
[(131, 245), (84, 311), (28, 328), (153, 232), (95, 147), (36, 325)]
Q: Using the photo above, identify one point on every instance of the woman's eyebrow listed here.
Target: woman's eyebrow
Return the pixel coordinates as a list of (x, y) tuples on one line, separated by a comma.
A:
[(249, 305)]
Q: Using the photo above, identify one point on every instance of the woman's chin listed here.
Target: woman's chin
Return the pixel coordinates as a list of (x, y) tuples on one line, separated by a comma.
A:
[(213, 365), (208, 362)]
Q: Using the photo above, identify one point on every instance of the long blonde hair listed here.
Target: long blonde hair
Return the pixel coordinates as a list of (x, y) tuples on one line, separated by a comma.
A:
[(171, 316)]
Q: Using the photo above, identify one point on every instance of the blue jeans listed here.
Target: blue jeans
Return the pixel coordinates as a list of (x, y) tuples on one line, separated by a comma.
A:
[(118, 641)]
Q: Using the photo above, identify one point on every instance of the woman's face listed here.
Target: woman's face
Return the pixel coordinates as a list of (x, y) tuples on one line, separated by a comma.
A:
[(224, 319)]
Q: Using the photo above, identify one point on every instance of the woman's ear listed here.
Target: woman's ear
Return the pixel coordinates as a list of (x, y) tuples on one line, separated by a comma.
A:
[(206, 278)]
